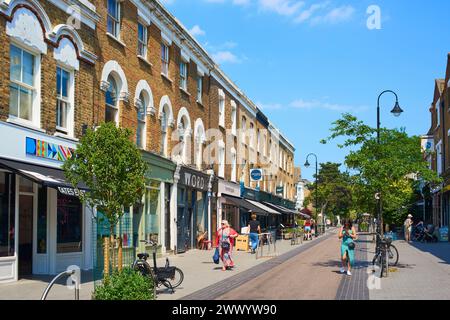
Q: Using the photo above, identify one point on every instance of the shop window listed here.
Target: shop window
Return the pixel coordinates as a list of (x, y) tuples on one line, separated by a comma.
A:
[(69, 224), (152, 212), (201, 217), (42, 221), (22, 83), (7, 214)]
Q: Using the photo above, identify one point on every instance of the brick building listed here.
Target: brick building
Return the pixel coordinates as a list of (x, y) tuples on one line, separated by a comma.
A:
[(73, 65)]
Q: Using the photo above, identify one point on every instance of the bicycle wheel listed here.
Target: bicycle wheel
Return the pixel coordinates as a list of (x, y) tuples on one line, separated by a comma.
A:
[(393, 255), (177, 279)]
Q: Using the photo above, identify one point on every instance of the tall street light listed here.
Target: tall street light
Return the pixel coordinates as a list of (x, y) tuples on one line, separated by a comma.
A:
[(396, 111), (307, 165)]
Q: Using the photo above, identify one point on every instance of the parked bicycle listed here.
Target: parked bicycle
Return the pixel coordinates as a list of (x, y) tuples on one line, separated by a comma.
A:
[(385, 254), (170, 277)]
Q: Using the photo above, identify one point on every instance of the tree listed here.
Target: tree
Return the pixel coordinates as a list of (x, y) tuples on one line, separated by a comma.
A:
[(334, 190), (111, 166), (392, 167)]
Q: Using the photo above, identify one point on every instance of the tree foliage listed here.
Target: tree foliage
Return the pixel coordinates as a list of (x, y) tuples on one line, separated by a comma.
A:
[(393, 167)]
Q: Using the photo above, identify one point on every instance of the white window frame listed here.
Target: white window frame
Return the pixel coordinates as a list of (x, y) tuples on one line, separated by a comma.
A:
[(233, 118), (165, 59), (439, 157), (221, 159), (36, 102), (199, 88), (438, 112), (143, 43), (116, 20), (233, 165), (115, 107), (183, 75), (164, 132), (244, 129), (142, 124), (221, 108), (70, 101)]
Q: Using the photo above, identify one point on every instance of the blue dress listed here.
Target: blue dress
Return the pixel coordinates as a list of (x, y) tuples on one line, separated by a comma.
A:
[(344, 247)]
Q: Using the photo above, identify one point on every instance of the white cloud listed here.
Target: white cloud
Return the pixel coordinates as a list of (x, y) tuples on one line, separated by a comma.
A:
[(222, 57), (197, 31), (282, 7), (317, 104)]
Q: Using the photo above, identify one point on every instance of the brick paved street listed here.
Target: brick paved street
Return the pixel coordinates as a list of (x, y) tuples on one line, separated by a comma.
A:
[(423, 273)]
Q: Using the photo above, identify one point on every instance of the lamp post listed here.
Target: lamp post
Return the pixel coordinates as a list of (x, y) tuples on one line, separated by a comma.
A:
[(396, 111), (307, 165)]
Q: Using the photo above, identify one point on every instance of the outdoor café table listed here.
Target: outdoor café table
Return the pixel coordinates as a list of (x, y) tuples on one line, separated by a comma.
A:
[(268, 237)]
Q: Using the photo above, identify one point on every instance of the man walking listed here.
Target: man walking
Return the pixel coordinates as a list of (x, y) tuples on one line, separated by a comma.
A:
[(254, 229)]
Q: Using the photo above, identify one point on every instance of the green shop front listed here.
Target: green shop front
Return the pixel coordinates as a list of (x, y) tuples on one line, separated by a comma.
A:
[(149, 220)]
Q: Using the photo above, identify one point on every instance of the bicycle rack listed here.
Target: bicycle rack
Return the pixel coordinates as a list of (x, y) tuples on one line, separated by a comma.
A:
[(67, 273)]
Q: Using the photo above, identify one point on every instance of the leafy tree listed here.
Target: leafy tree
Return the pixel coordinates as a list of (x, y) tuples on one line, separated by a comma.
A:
[(392, 167), (334, 190), (111, 166)]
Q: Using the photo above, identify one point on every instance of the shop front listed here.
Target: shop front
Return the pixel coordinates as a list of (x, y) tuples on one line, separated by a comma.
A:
[(44, 228), (192, 219), (226, 208)]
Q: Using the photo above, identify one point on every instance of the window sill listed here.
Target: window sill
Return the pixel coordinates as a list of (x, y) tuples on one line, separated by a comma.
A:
[(200, 103), (144, 60), (65, 136), (25, 124), (166, 77), (111, 36), (222, 125), (185, 91)]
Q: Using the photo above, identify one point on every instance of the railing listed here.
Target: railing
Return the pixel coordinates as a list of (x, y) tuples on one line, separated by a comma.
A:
[(68, 273)]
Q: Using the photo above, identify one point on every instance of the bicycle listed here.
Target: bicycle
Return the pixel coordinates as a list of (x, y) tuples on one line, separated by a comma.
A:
[(384, 253), (170, 277)]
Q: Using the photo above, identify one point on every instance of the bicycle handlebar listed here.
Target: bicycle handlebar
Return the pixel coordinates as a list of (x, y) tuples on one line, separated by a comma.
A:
[(149, 242)]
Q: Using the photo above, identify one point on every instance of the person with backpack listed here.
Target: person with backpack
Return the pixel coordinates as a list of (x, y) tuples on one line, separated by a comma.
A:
[(348, 235), (225, 243)]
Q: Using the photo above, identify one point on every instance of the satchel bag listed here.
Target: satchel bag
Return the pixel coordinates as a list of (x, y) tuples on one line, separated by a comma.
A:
[(225, 245), (216, 256), (351, 245)]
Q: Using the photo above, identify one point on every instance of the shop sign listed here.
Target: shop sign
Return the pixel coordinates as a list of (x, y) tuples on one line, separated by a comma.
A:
[(256, 174), (47, 150), (193, 179), (280, 189), (229, 188), (67, 191)]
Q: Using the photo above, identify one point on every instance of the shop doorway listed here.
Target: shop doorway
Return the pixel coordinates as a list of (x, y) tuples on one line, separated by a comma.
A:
[(185, 221), (25, 234)]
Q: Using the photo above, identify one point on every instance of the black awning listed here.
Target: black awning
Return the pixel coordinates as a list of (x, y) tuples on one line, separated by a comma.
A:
[(246, 205), (48, 177), (278, 208)]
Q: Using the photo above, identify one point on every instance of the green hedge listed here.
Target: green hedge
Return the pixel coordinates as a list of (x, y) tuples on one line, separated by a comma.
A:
[(125, 285)]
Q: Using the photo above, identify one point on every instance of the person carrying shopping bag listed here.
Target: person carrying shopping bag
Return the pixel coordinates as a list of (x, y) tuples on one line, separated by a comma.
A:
[(225, 243)]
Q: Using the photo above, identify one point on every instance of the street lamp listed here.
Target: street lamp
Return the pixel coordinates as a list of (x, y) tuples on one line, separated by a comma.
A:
[(307, 165), (396, 111)]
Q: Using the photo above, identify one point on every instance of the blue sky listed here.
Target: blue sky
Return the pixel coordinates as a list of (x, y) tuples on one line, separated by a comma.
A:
[(306, 62)]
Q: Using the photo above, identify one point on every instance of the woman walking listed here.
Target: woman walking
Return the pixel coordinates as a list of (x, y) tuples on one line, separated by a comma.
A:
[(348, 234), (254, 228), (225, 243)]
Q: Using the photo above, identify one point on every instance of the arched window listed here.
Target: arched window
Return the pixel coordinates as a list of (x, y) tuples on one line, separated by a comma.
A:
[(111, 99), (140, 131), (164, 128)]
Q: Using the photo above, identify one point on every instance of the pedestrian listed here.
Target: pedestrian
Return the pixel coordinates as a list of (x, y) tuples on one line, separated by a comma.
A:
[(225, 242), (407, 225), (254, 228), (308, 229), (348, 235)]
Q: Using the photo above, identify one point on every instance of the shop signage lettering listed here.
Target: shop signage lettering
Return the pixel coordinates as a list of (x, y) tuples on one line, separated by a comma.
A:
[(47, 150), (193, 180), (71, 192), (256, 174), (230, 189)]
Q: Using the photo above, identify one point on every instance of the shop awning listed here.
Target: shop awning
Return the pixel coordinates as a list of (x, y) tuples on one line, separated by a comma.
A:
[(280, 208), (48, 177), (264, 207), (246, 205)]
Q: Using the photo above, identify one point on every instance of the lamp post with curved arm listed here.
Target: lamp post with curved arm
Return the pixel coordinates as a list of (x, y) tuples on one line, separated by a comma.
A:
[(307, 165), (396, 111)]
